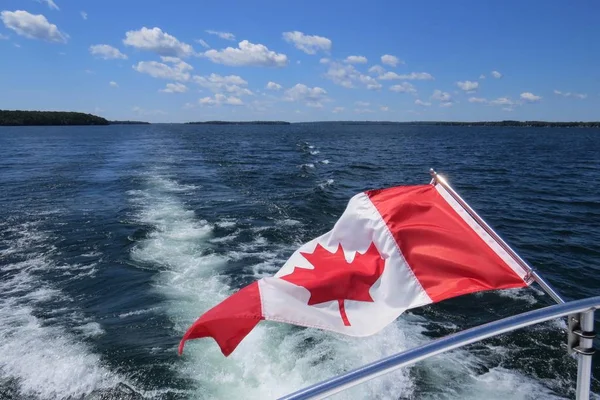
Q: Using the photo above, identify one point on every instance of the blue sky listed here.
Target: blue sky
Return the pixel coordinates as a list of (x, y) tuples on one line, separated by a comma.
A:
[(179, 61)]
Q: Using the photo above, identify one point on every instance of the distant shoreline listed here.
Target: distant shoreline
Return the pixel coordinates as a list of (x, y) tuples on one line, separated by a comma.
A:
[(239, 123), (64, 118)]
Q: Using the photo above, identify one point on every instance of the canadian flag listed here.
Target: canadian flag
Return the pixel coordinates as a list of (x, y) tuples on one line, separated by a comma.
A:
[(391, 250)]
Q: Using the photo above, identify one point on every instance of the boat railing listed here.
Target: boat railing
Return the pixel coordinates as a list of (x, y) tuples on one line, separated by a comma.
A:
[(580, 342)]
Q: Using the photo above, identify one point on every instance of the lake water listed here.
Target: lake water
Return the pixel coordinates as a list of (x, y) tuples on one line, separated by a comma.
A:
[(113, 240)]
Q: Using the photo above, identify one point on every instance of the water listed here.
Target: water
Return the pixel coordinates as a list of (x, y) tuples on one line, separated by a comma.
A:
[(113, 240)]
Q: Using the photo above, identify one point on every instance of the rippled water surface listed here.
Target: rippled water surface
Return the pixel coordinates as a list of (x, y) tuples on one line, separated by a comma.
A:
[(113, 240)]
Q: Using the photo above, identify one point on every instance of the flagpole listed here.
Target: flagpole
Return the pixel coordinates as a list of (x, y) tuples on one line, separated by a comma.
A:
[(438, 179)]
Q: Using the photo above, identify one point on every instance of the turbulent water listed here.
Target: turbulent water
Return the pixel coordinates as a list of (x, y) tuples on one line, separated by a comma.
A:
[(113, 240)]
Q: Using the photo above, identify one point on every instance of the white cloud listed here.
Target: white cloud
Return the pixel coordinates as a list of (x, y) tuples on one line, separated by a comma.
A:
[(247, 54), (530, 97), (233, 84), (84, 15), (496, 74), (174, 88), (203, 43), (404, 87), (384, 108), (220, 99), (324, 60), (106, 52), (178, 71), (32, 26), (424, 76), (347, 76), (356, 60), (502, 101), (273, 86), (447, 104), (157, 41), (113, 84), (310, 44), (337, 110), (468, 86), (569, 94), (51, 4), (363, 110), (3, 37), (482, 76), (312, 97), (390, 60), (222, 35), (509, 109), (422, 103), (477, 100), (370, 82), (441, 96), (362, 103), (377, 69)]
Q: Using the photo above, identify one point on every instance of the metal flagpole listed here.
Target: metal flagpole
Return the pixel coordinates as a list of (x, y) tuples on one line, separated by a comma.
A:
[(438, 179), (581, 326)]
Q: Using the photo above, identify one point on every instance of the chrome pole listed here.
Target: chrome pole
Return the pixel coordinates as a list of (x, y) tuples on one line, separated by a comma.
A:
[(409, 357), (438, 179), (585, 350)]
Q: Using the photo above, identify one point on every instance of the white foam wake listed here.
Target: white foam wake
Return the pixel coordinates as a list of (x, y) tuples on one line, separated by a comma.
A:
[(40, 355)]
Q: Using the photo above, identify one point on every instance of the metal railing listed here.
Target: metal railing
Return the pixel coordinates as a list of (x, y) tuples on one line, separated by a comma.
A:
[(584, 308)]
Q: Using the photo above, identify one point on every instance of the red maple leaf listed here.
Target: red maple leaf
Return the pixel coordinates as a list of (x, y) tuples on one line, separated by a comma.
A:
[(334, 278)]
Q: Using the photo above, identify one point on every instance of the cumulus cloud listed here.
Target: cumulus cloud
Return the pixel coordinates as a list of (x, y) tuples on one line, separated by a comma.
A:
[(247, 54), (203, 43), (324, 60), (404, 87), (447, 104), (422, 103), (390, 60), (384, 108), (106, 52), (83, 15), (477, 100), (423, 76), (177, 71), (441, 96), (569, 94), (310, 44), (530, 97), (216, 83), (312, 97), (377, 69), (482, 76), (50, 3), (174, 88), (496, 74), (502, 101), (157, 41), (347, 76), (362, 103), (32, 26), (220, 99), (468, 86), (273, 86), (338, 110), (356, 60), (222, 35), (113, 84)]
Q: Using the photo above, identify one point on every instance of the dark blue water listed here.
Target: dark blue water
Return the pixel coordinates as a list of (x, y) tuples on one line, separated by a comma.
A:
[(113, 240)]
